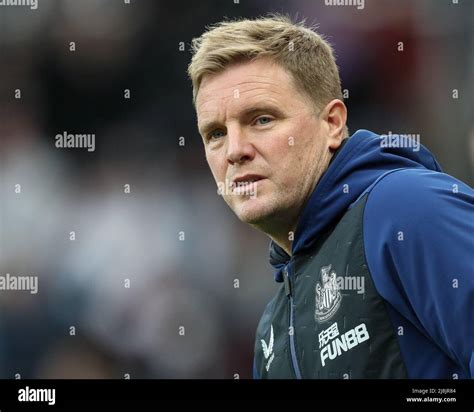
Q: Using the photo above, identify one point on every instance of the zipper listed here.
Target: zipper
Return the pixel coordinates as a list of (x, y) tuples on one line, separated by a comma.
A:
[(289, 295)]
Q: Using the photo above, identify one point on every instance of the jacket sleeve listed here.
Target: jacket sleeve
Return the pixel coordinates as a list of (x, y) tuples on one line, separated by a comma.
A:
[(419, 242)]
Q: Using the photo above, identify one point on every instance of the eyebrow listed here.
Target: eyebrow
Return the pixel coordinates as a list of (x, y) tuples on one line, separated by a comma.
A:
[(265, 108)]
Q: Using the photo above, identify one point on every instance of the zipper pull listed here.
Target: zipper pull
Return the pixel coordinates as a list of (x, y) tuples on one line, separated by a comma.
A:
[(286, 279)]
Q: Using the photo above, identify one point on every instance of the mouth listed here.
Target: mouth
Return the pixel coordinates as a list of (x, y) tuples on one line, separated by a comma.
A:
[(246, 184), (250, 178)]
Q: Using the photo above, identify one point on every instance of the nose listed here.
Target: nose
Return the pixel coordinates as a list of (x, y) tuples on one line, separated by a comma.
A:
[(239, 148)]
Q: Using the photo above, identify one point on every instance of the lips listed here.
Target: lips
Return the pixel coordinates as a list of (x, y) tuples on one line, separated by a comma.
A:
[(246, 185), (248, 178)]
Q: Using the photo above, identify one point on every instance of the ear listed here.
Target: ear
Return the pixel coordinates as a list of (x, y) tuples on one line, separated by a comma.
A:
[(335, 117)]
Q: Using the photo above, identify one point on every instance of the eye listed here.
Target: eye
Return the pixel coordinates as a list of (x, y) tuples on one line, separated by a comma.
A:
[(262, 120), (216, 134)]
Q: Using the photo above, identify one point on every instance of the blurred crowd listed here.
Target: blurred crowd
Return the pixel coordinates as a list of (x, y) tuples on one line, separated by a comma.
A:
[(143, 270)]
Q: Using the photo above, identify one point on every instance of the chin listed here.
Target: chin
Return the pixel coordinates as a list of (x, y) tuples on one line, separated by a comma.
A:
[(253, 211)]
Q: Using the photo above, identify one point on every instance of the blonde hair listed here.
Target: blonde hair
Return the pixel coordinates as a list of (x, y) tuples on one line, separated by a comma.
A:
[(302, 52)]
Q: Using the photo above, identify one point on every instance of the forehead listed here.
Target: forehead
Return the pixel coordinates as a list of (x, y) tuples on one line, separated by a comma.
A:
[(241, 84)]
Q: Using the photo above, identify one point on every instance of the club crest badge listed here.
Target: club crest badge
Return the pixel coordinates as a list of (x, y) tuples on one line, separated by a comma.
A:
[(328, 296)]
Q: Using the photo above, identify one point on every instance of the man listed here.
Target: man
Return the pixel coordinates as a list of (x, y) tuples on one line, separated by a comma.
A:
[(372, 243)]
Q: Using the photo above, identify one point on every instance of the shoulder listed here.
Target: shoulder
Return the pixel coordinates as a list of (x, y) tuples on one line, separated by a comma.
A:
[(417, 196), (417, 229)]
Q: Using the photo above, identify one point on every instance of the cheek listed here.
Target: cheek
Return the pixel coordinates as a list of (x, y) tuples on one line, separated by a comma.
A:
[(217, 164), (290, 149), (279, 147), (308, 145), (295, 154)]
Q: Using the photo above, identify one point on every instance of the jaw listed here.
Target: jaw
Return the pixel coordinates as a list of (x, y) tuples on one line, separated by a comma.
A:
[(250, 209), (266, 213)]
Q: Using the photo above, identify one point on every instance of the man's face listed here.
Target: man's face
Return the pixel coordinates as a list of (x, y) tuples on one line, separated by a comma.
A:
[(259, 129)]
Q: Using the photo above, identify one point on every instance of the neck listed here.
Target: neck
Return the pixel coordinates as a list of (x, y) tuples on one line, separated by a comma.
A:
[(282, 228), (284, 241), (281, 233), (284, 237)]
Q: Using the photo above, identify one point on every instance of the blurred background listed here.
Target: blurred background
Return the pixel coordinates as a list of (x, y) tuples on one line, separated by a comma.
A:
[(141, 283)]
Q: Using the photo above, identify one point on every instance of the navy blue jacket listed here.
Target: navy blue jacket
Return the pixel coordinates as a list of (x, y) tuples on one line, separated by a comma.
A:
[(418, 235)]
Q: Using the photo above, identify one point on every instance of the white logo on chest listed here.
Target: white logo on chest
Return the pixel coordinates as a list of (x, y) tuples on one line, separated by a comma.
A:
[(268, 349)]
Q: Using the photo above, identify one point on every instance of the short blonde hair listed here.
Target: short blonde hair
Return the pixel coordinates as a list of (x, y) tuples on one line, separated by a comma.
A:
[(302, 52)]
